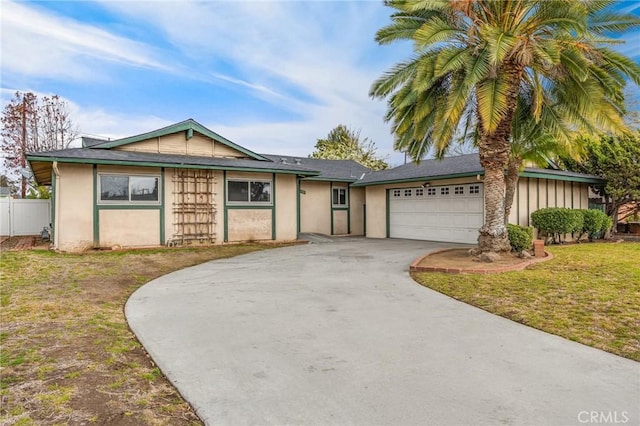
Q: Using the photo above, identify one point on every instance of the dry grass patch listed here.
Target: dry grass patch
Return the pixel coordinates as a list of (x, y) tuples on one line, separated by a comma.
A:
[(589, 293), (67, 355)]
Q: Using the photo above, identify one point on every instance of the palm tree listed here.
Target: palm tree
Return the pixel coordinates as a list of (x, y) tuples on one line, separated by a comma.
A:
[(473, 60)]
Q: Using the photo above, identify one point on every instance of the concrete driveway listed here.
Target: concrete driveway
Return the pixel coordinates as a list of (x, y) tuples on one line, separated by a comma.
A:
[(338, 333)]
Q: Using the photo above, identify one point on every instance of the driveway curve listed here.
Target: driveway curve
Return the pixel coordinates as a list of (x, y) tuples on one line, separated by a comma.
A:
[(338, 333)]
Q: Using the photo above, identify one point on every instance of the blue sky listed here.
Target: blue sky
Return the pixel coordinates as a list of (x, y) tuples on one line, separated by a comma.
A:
[(271, 76)]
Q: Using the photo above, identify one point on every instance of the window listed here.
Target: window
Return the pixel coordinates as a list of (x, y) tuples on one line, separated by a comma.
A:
[(474, 189), (458, 190), (431, 191), (396, 193), (444, 191), (419, 192), (123, 188), (407, 193), (339, 197), (249, 191)]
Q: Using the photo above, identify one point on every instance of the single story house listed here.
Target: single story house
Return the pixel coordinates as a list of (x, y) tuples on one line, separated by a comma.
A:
[(185, 183)]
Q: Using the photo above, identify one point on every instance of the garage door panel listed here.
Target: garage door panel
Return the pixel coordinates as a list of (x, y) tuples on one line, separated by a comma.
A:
[(454, 214), (459, 205)]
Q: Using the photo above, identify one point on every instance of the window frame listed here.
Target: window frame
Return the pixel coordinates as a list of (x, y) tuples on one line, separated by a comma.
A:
[(474, 189), (129, 200), (346, 197), (249, 202)]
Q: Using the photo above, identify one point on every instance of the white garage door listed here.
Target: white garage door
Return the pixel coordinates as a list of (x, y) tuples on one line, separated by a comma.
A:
[(450, 213)]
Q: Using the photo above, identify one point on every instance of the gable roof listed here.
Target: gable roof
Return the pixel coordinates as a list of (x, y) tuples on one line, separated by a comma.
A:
[(330, 170), (88, 142), (460, 166), (188, 126)]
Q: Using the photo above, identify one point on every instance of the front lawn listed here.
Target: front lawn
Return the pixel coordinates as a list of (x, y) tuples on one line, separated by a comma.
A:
[(589, 293), (67, 355)]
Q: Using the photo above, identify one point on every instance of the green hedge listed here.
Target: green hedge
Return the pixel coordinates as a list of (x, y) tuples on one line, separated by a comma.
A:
[(595, 223), (557, 221), (520, 237), (554, 222)]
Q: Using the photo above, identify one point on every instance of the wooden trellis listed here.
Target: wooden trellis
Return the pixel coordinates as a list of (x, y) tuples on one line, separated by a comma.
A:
[(194, 207)]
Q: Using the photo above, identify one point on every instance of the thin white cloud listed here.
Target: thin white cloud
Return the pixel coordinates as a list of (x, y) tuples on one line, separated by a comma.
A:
[(39, 43), (296, 55)]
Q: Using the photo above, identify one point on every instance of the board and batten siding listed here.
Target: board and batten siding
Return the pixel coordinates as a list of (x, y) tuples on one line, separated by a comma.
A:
[(177, 143), (533, 194)]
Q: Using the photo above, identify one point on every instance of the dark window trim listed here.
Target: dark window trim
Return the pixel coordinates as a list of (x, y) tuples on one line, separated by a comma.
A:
[(249, 202), (129, 202)]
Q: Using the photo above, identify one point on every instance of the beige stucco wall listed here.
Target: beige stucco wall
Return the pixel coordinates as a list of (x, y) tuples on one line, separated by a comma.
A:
[(315, 207), (249, 225), (74, 207), (286, 208), (131, 170), (249, 175), (177, 143), (356, 209), (376, 211), (256, 224), (316, 211), (340, 225), (129, 228)]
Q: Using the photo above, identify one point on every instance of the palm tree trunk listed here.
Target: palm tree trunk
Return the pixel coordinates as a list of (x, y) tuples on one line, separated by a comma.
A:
[(493, 234), (494, 150), (513, 170)]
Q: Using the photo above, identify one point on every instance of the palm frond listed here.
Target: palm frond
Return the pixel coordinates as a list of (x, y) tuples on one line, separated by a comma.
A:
[(492, 102)]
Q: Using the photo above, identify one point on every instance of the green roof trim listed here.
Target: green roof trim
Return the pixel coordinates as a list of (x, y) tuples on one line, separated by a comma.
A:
[(563, 177), (539, 174), (173, 165), (329, 179), (188, 126), (419, 179)]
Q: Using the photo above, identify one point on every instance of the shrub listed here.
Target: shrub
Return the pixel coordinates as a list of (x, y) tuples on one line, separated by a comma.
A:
[(596, 223), (557, 221), (520, 237)]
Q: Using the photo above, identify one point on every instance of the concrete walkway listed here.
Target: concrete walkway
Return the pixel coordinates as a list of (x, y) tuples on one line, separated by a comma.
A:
[(338, 333)]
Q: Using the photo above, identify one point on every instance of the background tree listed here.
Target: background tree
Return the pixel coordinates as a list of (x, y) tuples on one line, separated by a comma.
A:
[(473, 60), (33, 124), (616, 159), (343, 143)]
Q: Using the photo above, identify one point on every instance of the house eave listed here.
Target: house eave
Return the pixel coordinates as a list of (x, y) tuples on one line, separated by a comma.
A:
[(43, 178), (418, 179)]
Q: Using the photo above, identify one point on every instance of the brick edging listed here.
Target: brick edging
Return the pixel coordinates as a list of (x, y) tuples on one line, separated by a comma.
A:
[(517, 267)]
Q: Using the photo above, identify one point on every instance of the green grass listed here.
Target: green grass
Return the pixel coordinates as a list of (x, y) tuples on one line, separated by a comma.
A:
[(589, 293), (68, 355)]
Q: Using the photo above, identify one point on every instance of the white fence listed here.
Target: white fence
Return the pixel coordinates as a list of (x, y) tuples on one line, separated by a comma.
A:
[(24, 217)]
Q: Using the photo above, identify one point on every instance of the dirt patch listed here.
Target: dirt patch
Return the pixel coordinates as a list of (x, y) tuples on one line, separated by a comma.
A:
[(460, 261), (23, 243), (68, 355)]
